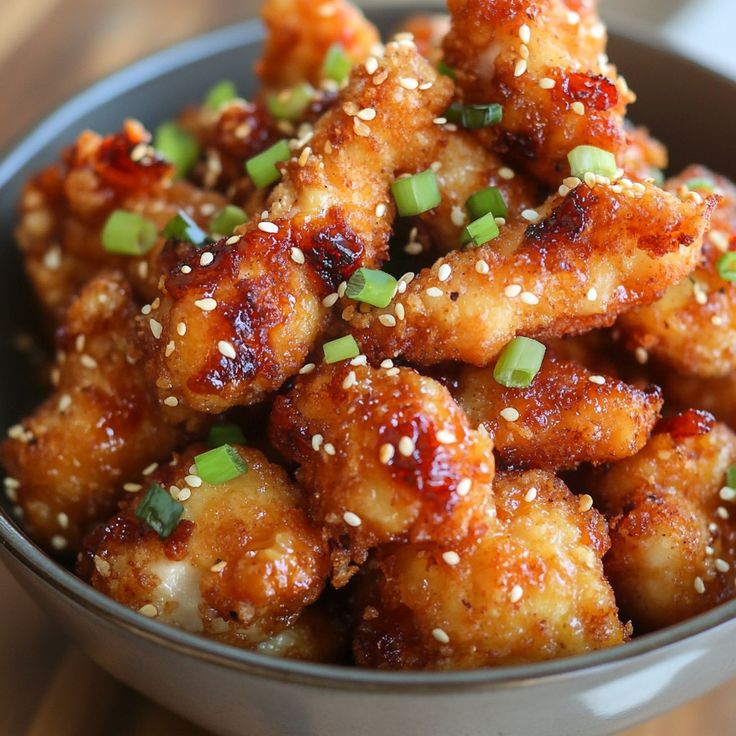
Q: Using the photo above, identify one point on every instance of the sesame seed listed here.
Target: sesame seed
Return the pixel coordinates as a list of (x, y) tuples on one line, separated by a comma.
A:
[(102, 566), (585, 502), (58, 542), (722, 565), (81, 339), (524, 51), (387, 363), (387, 320), (506, 173), (361, 128), (547, 83), (170, 348), (406, 446), (589, 178), (408, 83), (710, 551), (482, 267), (232, 240), (64, 402), (184, 495), (132, 487), (578, 108), (451, 558), (9, 482), (219, 566), (381, 210), (512, 291), (317, 440), (156, 328), (434, 292), (573, 18), (441, 636), (444, 272), (63, 520), (329, 448), (371, 65), (304, 156), (463, 487), (641, 355), (386, 453), (520, 68), (186, 269), (181, 329), (341, 289), (500, 221), (149, 610), (359, 360), (592, 294), (351, 519), (598, 30), (297, 256), (457, 216), (193, 480), (564, 190), (713, 527), (530, 215), (509, 414), (445, 437), (599, 380), (439, 121), (330, 300), (350, 380), (531, 494), (525, 33), (572, 181), (699, 585), (367, 114), (206, 258), (308, 368), (171, 401), (226, 349), (716, 320), (268, 227), (52, 258), (700, 296), (88, 361), (516, 594), (413, 249), (719, 239), (722, 512), (393, 372), (425, 86), (400, 311), (727, 494), (528, 298), (150, 468), (206, 305)]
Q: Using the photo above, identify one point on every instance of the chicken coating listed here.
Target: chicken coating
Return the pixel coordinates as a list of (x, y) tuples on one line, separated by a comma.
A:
[(533, 589), (241, 565), (428, 31), (386, 455), (64, 209), (703, 304), (101, 426), (567, 416), (589, 256), (244, 323), (672, 541), (300, 33), (546, 64)]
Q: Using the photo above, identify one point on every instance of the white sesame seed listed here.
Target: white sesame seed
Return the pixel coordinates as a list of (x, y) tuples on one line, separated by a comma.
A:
[(350, 380), (457, 216), (193, 480), (722, 512), (63, 520), (531, 494), (506, 173), (528, 298), (713, 527), (233, 239), (359, 360), (184, 495), (149, 610), (181, 329), (520, 68), (88, 361), (329, 448), (393, 372), (367, 114), (547, 83), (371, 65), (206, 305), (509, 414), (351, 519), (578, 108), (451, 558), (573, 18), (132, 487), (516, 594), (524, 51), (710, 551), (597, 30), (463, 487), (406, 446), (58, 542), (381, 210), (317, 440), (434, 292), (599, 380), (206, 258), (592, 294), (482, 267), (297, 256), (445, 437), (699, 585), (156, 328), (170, 348), (585, 502), (525, 33), (530, 215), (413, 249), (186, 269), (9, 482), (408, 83), (441, 636), (386, 453), (150, 468), (439, 121), (219, 566), (722, 565), (226, 349), (330, 300), (400, 311), (641, 355), (387, 363), (171, 401), (572, 181), (102, 566), (719, 239), (304, 156), (268, 227), (727, 493), (564, 190), (64, 402), (307, 368), (387, 320), (82, 339), (444, 272), (341, 289), (512, 291)]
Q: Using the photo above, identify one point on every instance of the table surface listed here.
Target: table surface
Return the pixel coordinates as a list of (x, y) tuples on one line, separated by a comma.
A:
[(46, 54)]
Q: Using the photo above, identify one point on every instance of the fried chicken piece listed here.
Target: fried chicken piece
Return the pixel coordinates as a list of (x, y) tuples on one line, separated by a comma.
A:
[(702, 305), (240, 566), (567, 416), (300, 32), (592, 255), (533, 589), (428, 31), (644, 156), (714, 395), (251, 317), (101, 426), (672, 541), (546, 65), (64, 209), (386, 454)]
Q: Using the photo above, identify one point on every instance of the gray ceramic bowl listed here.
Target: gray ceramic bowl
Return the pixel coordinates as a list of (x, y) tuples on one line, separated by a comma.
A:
[(236, 692)]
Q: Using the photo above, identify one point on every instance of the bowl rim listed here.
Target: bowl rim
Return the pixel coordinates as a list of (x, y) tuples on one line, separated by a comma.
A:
[(30, 556)]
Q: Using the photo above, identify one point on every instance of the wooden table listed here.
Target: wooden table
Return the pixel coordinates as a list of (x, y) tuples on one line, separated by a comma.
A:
[(48, 50)]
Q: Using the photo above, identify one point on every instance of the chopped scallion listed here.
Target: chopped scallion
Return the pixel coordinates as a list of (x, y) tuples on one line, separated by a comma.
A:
[(128, 234), (702, 184), (226, 220), (344, 348), (445, 69), (488, 200), (731, 476), (519, 363), (220, 465), (221, 93), (182, 227), (159, 510), (290, 104), (177, 147), (372, 287), (592, 160), (480, 231), (474, 117), (225, 434), (727, 267), (336, 65), (416, 194), (262, 168)]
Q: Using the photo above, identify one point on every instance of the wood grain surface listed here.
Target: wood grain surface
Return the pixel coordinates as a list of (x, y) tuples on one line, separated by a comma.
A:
[(50, 49)]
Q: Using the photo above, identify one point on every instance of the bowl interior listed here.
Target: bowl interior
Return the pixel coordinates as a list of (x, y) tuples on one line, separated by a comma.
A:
[(156, 89)]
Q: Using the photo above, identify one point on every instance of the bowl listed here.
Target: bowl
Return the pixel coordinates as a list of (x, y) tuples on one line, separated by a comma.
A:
[(231, 691)]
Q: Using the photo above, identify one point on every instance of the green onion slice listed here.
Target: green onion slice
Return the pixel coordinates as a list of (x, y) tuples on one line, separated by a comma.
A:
[(445, 69), (372, 287), (474, 117), (702, 184), (221, 93), (128, 234), (480, 231), (592, 160), (416, 194), (344, 348), (727, 268), (519, 363), (177, 147), (159, 510), (262, 168), (226, 220), (182, 227), (220, 465), (291, 103), (336, 65), (731, 476), (225, 434), (488, 200)]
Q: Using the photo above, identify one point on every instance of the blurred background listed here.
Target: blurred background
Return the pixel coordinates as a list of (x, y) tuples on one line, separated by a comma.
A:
[(50, 49)]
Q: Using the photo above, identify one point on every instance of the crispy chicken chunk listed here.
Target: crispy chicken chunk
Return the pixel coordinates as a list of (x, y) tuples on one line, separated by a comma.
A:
[(703, 304), (241, 565), (567, 416), (101, 426), (546, 64), (244, 324), (590, 255), (65, 207), (386, 455), (672, 541), (533, 588)]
